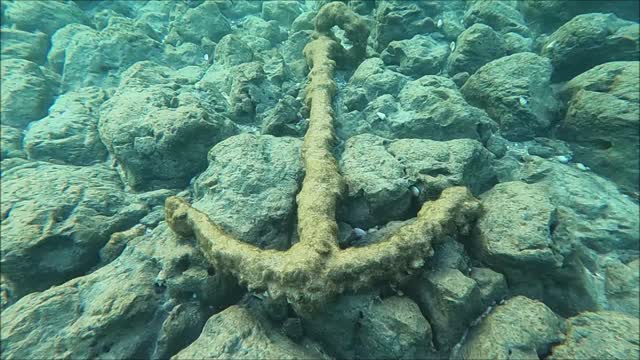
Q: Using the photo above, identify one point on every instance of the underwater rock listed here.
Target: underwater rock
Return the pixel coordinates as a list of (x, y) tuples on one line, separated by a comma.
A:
[(158, 127), (56, 218), (492, 285), (427, 108), (476, 46), (10, 142), (26, 92), (233, 50), (589, 40), (205, 20), (253, 337), (499, 15), (520, 329), (562, 235), (515, 91), (450, 300), (284, 12), (370, 80), (69, 133), (379, 173), (18, 44), (602, 122), (415, 57), (253, 197), (284, 119), (43, 16), (599, 335), (86, 57), (268, 30), (122, 309)]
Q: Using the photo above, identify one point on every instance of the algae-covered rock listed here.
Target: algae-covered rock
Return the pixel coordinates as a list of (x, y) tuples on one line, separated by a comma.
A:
[(520, 329), (415, 57), (562, 235), (370, 80), (253, 337), (599, 335), (588, 40), (205, 20), (602, 122), (476, 46), (10, 142), (499, 15), (70, 132), (430, 107), (159, 128), (252, 197), (55, 218), (43, 16), (148, 303), (18, 44), (26, 92), (451, 301), (380, 173), (284, 12), (515, 91), (86, 57)]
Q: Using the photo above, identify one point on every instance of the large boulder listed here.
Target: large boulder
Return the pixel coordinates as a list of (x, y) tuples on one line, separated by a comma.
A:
[(284, 12), (70, 132), (204, 20), (515, 91), (252, 197), (42, 16), (599, 335), (380, 174), (55, 219), (18, 44), (159, 128), (26, 92), (150, 302), (421, 55), (86, 57), (602, 122), (499, 15), (239, 333), (430, 107), (10, 142), (476, 46), (588, 40), (562, 235), (520, 329)]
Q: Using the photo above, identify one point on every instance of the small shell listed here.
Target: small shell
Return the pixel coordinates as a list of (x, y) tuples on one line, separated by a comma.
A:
[(415, 191), (417, 263), (381, 116), (452, 46), (440, 23), (550, 45), (358, 233), (582, 167), (563, 158), (523, 101), (206, 57)]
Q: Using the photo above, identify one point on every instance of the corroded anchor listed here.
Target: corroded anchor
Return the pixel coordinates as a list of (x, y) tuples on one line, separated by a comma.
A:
[(315, 269)]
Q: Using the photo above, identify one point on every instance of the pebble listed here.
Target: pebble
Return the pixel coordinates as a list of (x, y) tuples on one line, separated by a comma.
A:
[(582, 167), (381, 116), (563, 158)]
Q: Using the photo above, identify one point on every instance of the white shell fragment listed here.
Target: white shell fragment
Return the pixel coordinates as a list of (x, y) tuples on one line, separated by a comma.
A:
[(582, 167), (563, 158), (452, 46), (415, 191), (523, 101), (359, 232), (381, 116), (206, 57), (440, 23), (417, 263)]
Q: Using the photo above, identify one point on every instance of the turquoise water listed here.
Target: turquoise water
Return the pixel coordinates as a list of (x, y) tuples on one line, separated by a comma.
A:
[(230, 179)]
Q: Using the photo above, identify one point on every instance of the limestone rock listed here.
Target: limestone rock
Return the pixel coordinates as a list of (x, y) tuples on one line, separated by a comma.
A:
[(602, 121), (56, 218), (252, 197), (252, 338), (588, 40), (520, 329), (26, 93), (18, 44), (159, 128), (515, 91), (43, 16), (418, 56), (599, 335), (69, 133)]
